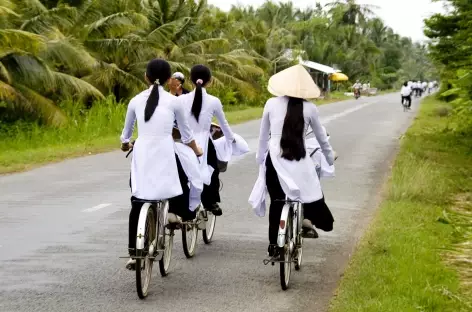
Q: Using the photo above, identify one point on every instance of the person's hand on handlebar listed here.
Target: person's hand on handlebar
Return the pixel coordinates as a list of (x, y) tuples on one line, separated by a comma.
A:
[(125, 147), (199, 151)]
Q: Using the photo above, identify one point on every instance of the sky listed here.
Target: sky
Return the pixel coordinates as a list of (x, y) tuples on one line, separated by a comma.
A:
[(404, 16)]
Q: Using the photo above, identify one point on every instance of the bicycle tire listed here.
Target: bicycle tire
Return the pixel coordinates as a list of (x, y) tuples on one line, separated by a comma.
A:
[(299, 256), (286, 254), (189, 245), (164, 263), (143, 263), (210, 228)]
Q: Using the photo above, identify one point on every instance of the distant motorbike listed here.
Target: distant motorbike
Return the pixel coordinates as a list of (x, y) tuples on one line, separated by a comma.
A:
[(357, 93)]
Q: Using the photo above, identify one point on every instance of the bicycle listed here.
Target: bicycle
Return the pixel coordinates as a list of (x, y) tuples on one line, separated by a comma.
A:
[(154, 241), (204, 221), (289, 241), (405, 105)]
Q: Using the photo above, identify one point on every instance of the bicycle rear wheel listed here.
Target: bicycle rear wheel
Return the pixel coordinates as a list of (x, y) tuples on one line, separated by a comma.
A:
[(286, 254), (189, 239), (210, 228), (145, 256)]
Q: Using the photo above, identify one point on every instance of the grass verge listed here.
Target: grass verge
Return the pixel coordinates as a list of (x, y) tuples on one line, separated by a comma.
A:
[(416, 255)]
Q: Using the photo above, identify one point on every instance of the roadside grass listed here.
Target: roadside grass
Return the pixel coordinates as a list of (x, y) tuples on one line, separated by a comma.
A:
[(417, 253)]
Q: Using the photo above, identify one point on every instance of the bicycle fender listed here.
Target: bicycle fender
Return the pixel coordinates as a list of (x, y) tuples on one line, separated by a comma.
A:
[(142, 226), (283, 220)]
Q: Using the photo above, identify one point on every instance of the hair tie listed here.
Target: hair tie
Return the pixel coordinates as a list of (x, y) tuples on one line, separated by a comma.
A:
[(157, 82), (199, 81)]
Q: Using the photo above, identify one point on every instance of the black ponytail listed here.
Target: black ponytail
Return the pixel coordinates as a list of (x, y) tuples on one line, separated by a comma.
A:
[(200, 76), (152, 102), (197, 101), (292, 142), (157, 72)]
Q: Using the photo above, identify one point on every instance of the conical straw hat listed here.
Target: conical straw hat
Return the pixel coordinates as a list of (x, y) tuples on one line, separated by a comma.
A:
[(294, 81)]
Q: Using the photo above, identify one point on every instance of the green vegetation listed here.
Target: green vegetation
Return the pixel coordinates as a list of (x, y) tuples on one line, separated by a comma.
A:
[(416, 255), (452, 54)]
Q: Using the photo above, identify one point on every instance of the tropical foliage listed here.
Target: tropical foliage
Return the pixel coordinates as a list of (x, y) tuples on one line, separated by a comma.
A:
[(451, 49), (86, 50)]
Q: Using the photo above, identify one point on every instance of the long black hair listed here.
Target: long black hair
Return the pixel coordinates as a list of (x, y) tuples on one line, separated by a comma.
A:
[(157, 72), (292, 142), (200, 76)]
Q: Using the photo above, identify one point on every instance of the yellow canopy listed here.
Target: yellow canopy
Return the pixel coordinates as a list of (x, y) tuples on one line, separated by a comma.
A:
[(339, 77)]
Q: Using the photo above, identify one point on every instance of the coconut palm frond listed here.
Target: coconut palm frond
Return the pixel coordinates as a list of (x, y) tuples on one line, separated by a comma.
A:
[(122, 51), (30, 8), (108, 75), (42, 106), (21, 40), (11, 96), (206, 45), (75, 87), (222, 78), (70, 53), (163, 34), (7, 11), (4, 74), (62, 17), (118, 24), (30, 71)]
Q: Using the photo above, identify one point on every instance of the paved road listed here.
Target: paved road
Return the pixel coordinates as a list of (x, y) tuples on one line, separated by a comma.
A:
[(63, 227)]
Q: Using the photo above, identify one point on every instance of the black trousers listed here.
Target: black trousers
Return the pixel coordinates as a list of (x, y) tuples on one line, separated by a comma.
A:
[(408, 99), (178, 205), (211, 193), (317, 212)]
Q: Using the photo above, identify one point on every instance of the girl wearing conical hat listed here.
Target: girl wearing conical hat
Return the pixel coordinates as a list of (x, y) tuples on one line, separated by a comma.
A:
[(286, 169)]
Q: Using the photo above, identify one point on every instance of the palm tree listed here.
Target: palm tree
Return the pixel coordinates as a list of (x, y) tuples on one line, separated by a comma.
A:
[(350, 12), (30, 79)]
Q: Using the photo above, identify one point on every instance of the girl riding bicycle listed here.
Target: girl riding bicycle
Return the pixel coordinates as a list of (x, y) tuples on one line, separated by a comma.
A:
[(157, 172), (289, 171), (201, 107)]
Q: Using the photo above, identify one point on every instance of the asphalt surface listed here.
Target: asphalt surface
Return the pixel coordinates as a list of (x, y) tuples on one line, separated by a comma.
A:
[(64, 226)]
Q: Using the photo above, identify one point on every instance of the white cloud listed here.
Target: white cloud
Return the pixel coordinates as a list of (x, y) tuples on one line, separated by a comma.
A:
[(404, 16)]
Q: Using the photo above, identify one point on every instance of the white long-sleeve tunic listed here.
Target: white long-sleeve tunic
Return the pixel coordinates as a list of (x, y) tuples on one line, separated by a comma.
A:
[(211, 106), (154, 174), (298, 179)]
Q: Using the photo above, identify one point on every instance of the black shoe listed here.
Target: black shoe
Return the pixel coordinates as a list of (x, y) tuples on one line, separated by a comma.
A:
[(215, 210), (309, 233), (273, 251)]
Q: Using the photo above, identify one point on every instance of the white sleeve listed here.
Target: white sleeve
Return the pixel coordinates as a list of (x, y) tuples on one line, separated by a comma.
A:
[(130, 120), (182, 122), (264, 136), (220, 116), (320, 135)]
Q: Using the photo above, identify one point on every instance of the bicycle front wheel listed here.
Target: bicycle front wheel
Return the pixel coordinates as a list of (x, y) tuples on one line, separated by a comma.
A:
[(286, 254), (208, 232), (189, 239), (299, 256), (164, 263), (145, 256)]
